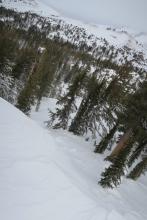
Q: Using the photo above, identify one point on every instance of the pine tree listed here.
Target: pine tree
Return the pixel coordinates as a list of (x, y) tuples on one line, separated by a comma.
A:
[(68, 101), (111, 177), (39, 80), (139, 169), (6, 91), (122, 144), (102, 146), (137, 152), (23, 63), (88, 111), (26, 97), (133, 119)]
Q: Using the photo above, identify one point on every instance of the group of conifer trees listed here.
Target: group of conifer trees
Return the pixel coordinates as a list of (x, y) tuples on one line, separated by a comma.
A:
[(130, 120), (89, 101), (22, 64)]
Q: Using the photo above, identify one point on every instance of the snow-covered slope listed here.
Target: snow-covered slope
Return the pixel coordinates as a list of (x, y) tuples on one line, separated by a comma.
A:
[(118, 37), (53, 175), (35, 6)]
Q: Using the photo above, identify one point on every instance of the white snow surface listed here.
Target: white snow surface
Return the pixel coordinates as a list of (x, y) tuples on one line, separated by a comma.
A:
[(48, 174), (35, 6)]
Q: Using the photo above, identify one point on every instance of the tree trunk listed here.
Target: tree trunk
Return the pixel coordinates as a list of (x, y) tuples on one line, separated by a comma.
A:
[(103, 145), (38, 105), (121, 145)]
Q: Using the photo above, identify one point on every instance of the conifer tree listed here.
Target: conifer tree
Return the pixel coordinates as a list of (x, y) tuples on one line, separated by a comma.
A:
[(102, 146), (111, 177), (26, 97), (122, 144), (39, 80), (68, 102), (23, 63), (139, 169), (88, 111), (137, 152), (133, 119)]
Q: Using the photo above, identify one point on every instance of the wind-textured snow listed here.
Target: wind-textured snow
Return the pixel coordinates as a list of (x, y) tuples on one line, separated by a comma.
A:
[(47, 174)]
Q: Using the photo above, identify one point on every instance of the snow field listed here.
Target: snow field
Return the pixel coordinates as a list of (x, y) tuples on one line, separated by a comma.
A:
[(53, 175)]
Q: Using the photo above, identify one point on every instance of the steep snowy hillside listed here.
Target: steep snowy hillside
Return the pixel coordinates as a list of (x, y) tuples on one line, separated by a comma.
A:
[(118, 37), (93, 79), (30, 5), (52, 175), (76, 56)]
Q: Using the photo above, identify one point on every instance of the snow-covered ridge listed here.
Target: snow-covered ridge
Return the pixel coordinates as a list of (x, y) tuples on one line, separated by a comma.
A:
[(34, 6), (118, 37), (119, 44)]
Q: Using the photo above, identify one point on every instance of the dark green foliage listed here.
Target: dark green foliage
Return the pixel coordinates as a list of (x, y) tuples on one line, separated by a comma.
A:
[(23, 63), (139, 169), (26, 97), (24, 102), (44, 74), (135, 117), (39, 80), (68, 102), (111, 177), (102, 146), (87, 112), (136, 153), (134, 114)]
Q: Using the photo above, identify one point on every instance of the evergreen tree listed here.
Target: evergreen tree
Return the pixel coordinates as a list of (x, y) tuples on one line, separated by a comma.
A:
[(26, 97), (111, 177), (102, 146), (137, 152), (44, 73), (139, 169), (133, 119), (6, 91), (122, 144), (23, 63), (39, 79), (68, 102), (88, 111)]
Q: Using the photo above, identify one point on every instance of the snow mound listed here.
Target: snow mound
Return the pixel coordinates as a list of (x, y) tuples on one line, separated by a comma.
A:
[(53, 175)]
